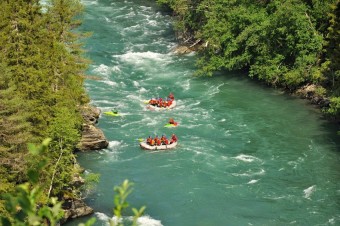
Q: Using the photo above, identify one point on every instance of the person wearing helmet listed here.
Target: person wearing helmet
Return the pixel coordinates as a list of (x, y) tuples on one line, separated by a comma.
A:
[(172, 121), (173, 139), (157, 140), (171, 96), (149, 140)]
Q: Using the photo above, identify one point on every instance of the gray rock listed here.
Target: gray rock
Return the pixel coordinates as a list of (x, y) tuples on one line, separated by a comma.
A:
[(74, 208), (92, 139)]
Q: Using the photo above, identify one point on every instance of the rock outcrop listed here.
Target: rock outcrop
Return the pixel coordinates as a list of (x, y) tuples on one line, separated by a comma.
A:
[(92, 138), (74, 208), (182, 50), (310, 92)]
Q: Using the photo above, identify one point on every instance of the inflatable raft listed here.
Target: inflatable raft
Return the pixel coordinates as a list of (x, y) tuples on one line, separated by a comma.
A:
[(156, 108), (145, 146)]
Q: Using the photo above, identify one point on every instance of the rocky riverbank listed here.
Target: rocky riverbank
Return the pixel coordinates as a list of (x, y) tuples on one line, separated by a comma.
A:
[(92, 139)]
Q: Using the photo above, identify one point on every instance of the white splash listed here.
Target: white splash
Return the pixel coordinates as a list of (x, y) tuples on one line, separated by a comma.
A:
[(114, 144), (309, 191), (102, 216), (148, 221), (141, 221)]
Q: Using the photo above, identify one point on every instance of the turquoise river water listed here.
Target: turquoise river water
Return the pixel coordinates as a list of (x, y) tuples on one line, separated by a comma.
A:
[(247, 154)]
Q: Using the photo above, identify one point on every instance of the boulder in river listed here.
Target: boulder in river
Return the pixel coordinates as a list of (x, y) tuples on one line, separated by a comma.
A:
[(92, 139)]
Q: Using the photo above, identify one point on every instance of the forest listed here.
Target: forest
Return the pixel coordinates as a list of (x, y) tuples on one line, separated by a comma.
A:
[(286, 44), (41, 89)]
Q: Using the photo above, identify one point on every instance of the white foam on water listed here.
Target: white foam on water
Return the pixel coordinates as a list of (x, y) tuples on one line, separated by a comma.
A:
[(140, 58), (214, 90), (107, 19), (132, 28), (141, 221), (309, 191), (129, 123), (105, 70), (102, 69), (331, 221), (142, 90), (246, 158), (116, 69), (250, 174), (111, 83), (136, 84), (114, 144), (134, 97), (123, 84), (145, 8), (102, 216), (89, 2), (152, 23), (252, 181), (98, 102), (148, 221)]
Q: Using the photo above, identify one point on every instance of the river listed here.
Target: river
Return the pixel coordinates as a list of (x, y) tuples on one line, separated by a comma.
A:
[(247, 154)]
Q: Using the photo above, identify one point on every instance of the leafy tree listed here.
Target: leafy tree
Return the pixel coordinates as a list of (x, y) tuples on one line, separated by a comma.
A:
[(331, 64)]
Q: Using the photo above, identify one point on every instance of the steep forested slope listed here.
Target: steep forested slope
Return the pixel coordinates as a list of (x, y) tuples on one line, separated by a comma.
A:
[(41, 88)]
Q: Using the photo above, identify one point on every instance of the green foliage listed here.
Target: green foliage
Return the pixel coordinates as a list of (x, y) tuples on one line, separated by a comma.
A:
[(23, 206), (334, 106), (91, 180), (287, 43), (122, 192), (41, 88)]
